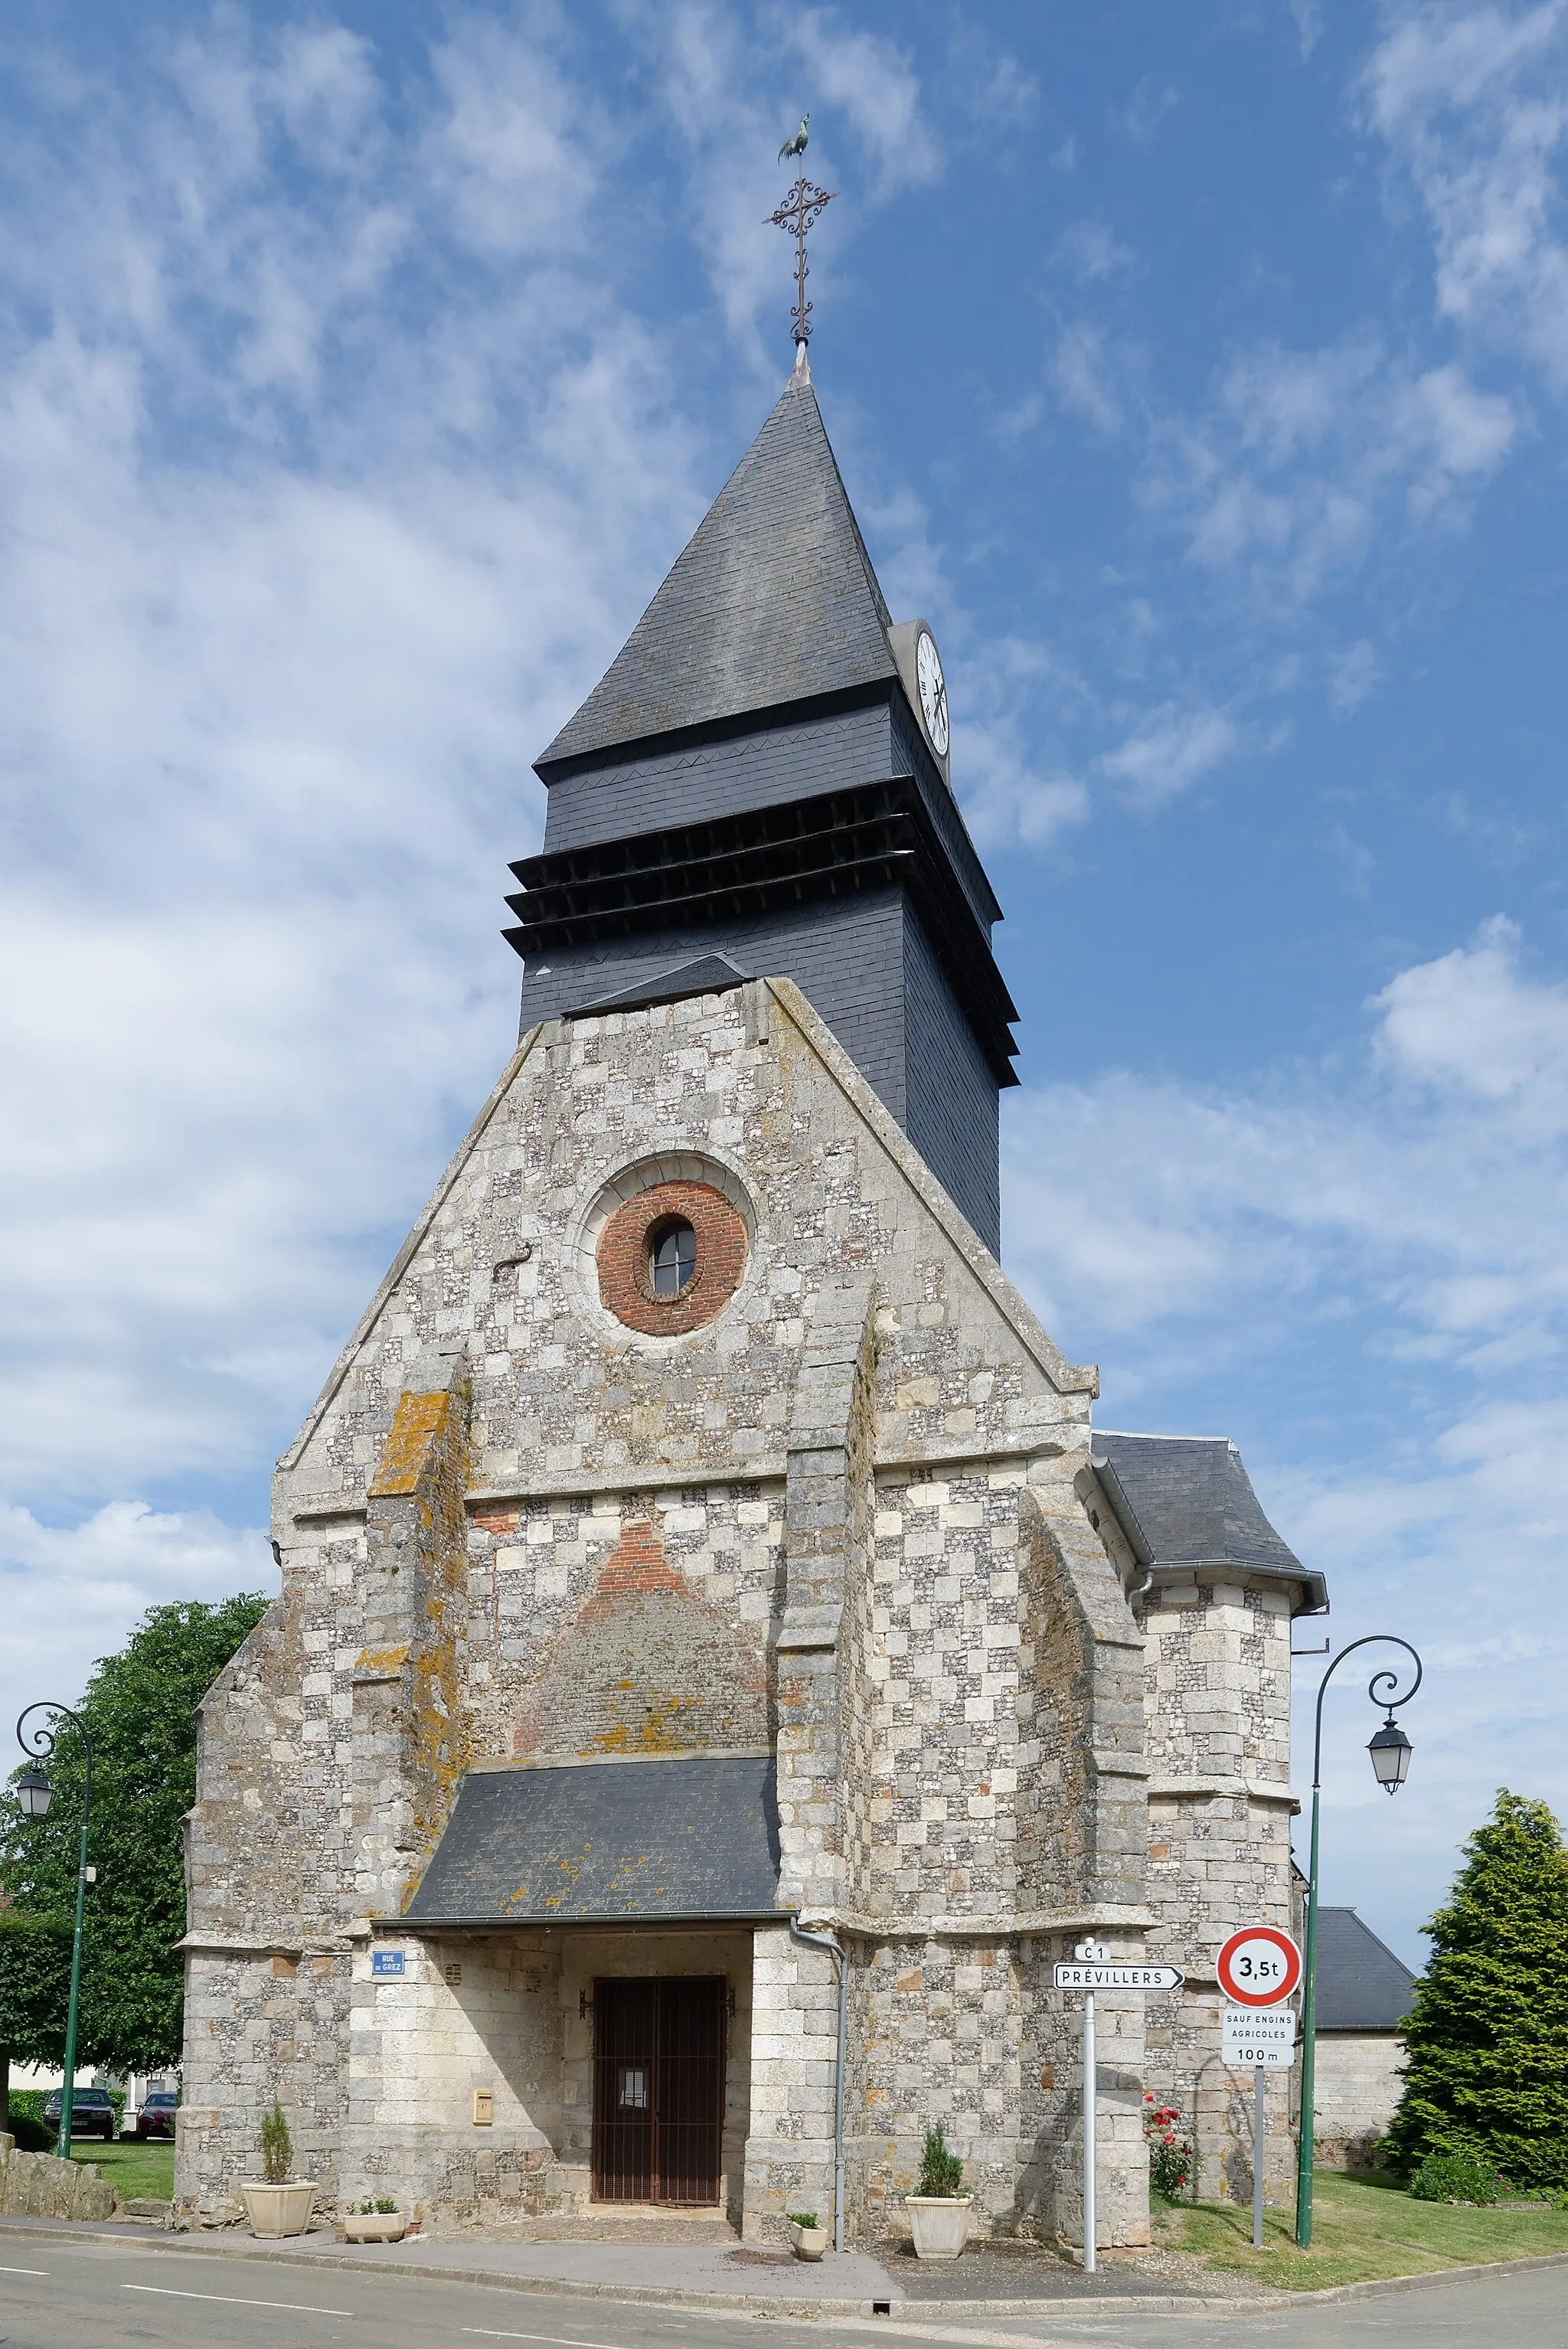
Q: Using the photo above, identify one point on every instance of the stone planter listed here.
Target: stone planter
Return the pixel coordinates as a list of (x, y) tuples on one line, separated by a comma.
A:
[(808, 2242), (941, 2224), (374, 2226), (279, 2209)]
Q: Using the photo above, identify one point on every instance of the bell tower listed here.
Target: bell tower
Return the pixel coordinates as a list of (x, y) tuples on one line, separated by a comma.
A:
[(759, 786)]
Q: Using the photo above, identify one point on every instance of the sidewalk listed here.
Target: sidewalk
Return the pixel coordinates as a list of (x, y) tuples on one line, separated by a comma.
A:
[(714, 2275), (985, 2284)]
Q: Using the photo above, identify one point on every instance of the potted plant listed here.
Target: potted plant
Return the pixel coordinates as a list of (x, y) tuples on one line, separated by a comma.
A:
[(939, 2212), (809, 2239), (282, 2206), (380, 2221)]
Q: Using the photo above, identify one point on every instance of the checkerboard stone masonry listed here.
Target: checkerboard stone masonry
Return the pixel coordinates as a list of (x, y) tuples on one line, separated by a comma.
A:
[(853, 1520)]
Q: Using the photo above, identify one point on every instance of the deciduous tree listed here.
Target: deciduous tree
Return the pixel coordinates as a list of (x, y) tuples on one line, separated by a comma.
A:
[(140, 1710)]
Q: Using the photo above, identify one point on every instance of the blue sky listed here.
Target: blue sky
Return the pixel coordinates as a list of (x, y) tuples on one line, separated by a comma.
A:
[(1200, 373)]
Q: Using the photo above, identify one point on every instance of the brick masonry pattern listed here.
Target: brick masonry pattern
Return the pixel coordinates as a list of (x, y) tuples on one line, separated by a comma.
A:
[(625, 1286)]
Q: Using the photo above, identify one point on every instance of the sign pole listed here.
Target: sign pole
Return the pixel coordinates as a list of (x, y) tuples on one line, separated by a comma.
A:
[(1090, 2228), (1088, 1971), (1257, 1970)]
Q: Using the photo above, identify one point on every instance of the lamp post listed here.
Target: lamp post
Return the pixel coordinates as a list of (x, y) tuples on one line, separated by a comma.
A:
[(34, 1793), (1390, 1751)]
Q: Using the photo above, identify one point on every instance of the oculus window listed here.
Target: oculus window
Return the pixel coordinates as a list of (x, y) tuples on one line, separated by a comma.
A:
[(672, 1256)]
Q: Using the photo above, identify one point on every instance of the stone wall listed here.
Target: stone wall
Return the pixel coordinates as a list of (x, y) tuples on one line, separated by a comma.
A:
[(261, 2024), (1357, 2084), (847, 1519), (40, 2186), (1220, 1811)]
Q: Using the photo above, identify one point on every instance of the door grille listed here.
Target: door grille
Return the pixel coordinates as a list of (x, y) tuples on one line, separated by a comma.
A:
[(659, 2088)]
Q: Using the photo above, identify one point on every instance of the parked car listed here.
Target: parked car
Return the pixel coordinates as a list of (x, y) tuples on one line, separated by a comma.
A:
[(156, 2118), (92, 2113)]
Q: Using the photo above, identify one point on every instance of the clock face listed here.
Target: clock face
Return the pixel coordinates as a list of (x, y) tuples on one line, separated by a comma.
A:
[(933, 693)]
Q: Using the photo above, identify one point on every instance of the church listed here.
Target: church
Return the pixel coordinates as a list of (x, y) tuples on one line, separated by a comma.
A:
[(720, 1666)]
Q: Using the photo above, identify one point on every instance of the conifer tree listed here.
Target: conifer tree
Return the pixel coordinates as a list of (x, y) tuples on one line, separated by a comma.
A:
[(1488, 2038)]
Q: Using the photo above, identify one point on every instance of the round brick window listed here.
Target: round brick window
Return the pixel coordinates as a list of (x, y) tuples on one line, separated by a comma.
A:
[(671, 1258)]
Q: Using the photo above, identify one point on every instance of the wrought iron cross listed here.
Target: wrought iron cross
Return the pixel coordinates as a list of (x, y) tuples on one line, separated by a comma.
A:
[(800, 208)]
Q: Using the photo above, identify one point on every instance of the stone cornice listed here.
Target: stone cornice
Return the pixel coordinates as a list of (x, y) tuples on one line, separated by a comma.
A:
[(1193, 1786), (1107, 1916), (262, 1945)]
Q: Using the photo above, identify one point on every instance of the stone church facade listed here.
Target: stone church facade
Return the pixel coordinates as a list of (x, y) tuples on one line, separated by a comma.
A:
[(719, 1667)]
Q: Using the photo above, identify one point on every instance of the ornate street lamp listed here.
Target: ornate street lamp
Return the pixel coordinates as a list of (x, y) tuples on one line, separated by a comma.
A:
[(1390, 1751), (34, 1794)]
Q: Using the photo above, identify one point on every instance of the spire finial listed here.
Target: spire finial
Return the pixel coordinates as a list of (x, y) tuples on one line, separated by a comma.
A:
[(798, 209)]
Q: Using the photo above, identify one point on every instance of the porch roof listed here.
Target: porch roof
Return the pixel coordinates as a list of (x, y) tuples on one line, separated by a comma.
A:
[(686, 1838)]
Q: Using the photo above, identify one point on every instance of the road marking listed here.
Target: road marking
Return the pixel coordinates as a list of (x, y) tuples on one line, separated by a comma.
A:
[(42, 2271), (559, 2339), (232, 2300)]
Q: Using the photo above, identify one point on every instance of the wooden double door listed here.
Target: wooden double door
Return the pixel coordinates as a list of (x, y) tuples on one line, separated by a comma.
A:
[(659, 2087)]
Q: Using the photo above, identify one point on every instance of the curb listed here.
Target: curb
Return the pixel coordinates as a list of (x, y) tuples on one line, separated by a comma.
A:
[(928, 2316)]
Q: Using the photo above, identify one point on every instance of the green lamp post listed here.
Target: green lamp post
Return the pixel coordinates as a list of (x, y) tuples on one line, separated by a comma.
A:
[(1390, 1750), (34, 1793)]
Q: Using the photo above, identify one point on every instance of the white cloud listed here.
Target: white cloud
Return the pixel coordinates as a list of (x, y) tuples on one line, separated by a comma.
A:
[(1089, 369), (1383, 1182), (1090, 250), (1354, 673), (510, 156), (1308, 15), (1168, 750), (1356, 860), (73, 1594), (325, 494), (1146, 109), (1469, 1023), (1473, 105), (1288, 484)]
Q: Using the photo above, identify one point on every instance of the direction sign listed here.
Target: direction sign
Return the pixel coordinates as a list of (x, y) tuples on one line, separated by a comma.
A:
[(1258, 1966), (1080, 1975), (1252, 2036)]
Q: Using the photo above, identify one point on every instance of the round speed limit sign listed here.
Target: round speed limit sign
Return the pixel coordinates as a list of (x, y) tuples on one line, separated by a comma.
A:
[(1258, 1966)]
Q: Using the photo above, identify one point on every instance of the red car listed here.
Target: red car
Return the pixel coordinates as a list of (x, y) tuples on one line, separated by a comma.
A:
[(156, 2118)]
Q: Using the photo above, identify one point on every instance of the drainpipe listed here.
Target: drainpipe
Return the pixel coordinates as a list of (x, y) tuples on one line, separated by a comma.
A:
[(835, 1948)]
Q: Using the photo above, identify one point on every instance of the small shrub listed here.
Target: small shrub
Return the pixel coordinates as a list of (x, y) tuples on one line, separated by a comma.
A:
[(941, 2171), (277, 2145), (386, 2208), (31, 2136), (1457, 2177), (1169, 2151), (801, 2218)]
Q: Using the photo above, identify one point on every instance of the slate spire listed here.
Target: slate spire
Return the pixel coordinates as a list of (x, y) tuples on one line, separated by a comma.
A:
[(773, 601)]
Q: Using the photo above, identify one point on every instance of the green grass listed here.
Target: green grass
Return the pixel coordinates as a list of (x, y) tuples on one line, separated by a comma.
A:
[(1363, 2227), (131, 2168)]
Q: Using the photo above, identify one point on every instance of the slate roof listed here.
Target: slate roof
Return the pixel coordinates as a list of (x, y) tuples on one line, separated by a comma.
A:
[(607, 1842), (711, 974), (1187, 1501), (773, 601), (1361, 1984)]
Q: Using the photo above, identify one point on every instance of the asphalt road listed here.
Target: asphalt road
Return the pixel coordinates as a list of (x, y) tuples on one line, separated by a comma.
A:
[(55, 2295)]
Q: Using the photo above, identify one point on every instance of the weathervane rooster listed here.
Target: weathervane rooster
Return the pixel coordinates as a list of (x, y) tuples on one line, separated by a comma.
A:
[(796, 146)]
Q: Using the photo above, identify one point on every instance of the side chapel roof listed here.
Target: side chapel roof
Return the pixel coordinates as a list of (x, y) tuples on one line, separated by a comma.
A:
[(1186, 1501), (1361, 1984), (773, 601)]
